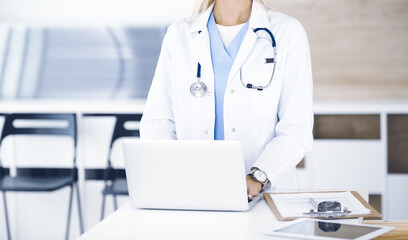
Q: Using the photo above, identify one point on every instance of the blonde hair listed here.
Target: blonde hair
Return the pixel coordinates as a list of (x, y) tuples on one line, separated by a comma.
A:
[(202, 5)]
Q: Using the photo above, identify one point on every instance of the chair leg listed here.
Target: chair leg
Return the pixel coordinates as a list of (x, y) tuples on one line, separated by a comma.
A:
[(6, 215), (69, 212), (81, 223), (115, 202), (103, 206)]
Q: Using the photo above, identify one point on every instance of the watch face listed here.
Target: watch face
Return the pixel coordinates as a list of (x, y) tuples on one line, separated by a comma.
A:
[(260, 176)]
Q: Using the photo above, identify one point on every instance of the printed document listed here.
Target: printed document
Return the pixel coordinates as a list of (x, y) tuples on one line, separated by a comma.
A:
[(296, 204)]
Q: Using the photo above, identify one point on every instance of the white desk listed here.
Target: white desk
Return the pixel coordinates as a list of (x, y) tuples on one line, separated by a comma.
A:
[(130, 223)]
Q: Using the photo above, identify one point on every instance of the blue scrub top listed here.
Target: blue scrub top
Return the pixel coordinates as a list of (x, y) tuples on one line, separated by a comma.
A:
[(222, 60)]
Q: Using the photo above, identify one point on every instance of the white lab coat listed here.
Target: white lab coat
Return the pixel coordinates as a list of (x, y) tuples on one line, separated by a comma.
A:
[(274, 125)]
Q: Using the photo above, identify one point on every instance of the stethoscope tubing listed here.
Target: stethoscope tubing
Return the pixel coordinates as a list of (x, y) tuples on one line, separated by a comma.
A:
[(250, 86), (269, 33)]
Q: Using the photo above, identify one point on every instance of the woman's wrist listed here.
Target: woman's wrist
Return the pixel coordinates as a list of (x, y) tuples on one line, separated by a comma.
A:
[(260, 177)]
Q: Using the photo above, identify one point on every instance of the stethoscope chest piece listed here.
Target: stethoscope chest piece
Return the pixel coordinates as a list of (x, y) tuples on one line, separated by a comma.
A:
[(198, 89)]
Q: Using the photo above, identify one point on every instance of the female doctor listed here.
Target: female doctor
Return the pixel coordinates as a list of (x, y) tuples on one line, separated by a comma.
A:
[(237, 71)]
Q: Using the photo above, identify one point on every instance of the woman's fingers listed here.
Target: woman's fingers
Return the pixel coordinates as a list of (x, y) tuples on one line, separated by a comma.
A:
[(253, 187)]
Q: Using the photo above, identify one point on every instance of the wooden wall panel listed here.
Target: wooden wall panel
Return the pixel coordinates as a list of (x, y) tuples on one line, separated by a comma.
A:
[(375, 200), (397, 143), (359, 47), (347, 127)]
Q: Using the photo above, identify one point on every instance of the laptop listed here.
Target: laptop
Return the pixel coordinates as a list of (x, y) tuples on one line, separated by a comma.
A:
[(186, 175)]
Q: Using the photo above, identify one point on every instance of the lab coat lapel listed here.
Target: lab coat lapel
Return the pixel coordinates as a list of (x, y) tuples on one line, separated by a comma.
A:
[(258, 19), (245, 49), (200, 47)]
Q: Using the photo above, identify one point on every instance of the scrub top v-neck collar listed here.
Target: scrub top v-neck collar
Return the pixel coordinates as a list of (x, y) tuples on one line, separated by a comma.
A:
[(216, 41), (222, 61)]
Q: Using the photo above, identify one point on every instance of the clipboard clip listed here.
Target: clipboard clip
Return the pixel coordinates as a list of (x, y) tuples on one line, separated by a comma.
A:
[(327, 209)]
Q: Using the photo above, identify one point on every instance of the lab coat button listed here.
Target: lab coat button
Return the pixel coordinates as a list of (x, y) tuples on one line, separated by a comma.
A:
[(205, 132), (209, 93), (233, 130), (232, 91)]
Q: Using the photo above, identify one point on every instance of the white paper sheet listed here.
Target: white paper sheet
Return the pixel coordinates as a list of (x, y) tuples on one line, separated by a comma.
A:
[(296, 204)]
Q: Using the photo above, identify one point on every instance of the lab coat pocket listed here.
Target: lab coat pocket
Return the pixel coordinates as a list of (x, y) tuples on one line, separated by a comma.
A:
[(265, 102)]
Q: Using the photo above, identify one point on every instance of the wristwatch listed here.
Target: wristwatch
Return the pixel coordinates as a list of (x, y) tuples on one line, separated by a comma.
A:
[(260, 176)]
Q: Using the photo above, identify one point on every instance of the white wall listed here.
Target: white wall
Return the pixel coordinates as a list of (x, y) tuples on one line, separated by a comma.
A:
[(94, 12)]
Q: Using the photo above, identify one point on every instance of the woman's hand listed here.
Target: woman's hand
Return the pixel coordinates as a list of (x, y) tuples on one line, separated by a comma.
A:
[(253, 187)]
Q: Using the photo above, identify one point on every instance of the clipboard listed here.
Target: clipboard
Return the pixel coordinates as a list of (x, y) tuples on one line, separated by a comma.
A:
[(374, 214)]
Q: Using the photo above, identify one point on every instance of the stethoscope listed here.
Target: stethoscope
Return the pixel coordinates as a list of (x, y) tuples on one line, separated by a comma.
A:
[(199, 89)]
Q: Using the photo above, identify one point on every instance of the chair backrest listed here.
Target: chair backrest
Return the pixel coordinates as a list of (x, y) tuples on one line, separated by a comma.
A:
[(68, 129), (120, 131)]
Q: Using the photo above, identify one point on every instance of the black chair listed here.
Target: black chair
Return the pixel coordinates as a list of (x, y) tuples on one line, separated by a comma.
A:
[(41, 179), (115, 179)]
